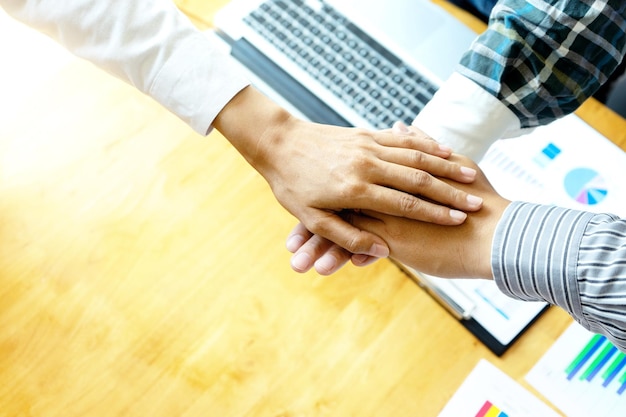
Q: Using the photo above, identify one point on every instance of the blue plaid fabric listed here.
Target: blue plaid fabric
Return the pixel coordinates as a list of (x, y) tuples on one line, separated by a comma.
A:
[(542, 59)]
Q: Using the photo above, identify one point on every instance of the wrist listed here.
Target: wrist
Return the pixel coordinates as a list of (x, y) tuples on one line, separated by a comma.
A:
[(479, 118), (493, 209), (255, 126)]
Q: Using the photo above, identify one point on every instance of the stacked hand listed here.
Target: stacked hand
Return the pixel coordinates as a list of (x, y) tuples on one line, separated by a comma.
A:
[(318, 171), (442, 250)]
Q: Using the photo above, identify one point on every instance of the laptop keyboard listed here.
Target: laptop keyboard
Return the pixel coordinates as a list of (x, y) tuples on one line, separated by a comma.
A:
[(357, 69)]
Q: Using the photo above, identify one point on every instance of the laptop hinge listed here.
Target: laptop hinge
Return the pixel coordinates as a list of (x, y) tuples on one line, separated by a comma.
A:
[(285, 85)]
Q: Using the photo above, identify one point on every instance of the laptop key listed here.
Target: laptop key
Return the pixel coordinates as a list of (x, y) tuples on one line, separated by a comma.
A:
[(358, 70)]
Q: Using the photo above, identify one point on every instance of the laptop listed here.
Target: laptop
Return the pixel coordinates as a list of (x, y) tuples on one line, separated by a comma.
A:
[(365, 63), (368, 63)]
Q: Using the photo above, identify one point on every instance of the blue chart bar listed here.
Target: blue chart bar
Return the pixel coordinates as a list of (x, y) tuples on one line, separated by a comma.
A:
[(599, 355), (584, 356), (583, 374), (551, 150), (547, 155), (613, 371)]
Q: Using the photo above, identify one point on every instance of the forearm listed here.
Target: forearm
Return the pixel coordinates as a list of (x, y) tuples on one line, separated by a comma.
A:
[(479, 118), (147, 43), (462, 251), (257, 127), (528, 68), (568, 258), (542, 59)]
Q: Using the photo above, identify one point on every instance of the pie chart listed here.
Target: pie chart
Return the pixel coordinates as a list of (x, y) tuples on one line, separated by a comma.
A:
[(585, 186)]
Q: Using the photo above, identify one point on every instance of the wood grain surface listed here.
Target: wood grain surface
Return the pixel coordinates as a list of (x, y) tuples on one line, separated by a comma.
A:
[(143, 272)]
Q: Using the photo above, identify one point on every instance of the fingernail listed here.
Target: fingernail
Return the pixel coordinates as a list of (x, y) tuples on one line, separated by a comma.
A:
[(468, 172), (326, 264), (370, 261), (301, 262), (363, 260), (294, 242), (378, 251), (474, 201), (402, 127), (359, 258), (448, 149), (458, 215)]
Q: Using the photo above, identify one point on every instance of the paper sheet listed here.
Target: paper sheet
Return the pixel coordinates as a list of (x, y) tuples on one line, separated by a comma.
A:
[(566, 163), (583, 375), (489, 392)]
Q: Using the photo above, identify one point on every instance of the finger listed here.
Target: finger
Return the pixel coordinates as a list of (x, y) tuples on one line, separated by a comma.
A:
[(305, 257), (397, 158), (440, 202), (465, 174), (400, 204), (413, 139), (401, 128), (317, 251), (298, 236), (369, 220), (422, 183), (332, 227), (332, 260), (363, 260), (326, 256)]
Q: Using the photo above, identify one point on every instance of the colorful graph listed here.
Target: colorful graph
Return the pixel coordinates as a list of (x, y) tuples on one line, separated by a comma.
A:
[(490, 410), (583, 374), (585, 186), (547, 155), (597, 355), (487, 391), (493, 298)]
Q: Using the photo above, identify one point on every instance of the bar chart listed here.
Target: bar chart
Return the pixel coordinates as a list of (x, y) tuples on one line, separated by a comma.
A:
[(489, 392), (583, 374), (490, 410), (600, 355)]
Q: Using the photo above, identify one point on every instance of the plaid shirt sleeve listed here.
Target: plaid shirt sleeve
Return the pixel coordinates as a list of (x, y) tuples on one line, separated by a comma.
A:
[(542, 59)]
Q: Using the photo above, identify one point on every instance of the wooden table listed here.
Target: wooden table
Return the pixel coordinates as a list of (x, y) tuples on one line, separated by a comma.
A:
[(143, 272)]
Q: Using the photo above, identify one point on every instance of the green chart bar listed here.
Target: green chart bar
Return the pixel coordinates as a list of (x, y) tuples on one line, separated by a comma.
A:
[(599, 362), (622, 382), (594, 344), (613, 370), (599, 358)]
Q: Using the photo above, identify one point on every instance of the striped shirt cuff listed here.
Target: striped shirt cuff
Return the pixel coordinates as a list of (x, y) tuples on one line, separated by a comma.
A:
[(535, 253), (602, 277)]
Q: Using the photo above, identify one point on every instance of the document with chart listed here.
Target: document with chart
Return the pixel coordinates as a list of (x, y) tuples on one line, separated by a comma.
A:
[(583, 375), (566, 163), (489, 392)]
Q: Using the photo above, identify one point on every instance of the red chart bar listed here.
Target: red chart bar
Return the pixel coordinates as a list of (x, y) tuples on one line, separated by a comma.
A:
[(490, 410), (484, 409)]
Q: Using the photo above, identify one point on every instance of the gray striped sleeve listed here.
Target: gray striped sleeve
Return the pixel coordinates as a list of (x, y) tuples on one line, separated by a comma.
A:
[(569, 258), (602, 276)]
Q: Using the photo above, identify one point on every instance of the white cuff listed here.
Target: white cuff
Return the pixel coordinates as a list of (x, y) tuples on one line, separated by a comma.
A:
[(197, 82), (467, 118)]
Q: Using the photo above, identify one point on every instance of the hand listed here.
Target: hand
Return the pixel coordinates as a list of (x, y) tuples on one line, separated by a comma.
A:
[(462, 251), (315, 171), (314, 251)]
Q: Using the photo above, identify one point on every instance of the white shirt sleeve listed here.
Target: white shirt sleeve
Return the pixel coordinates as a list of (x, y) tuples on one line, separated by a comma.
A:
[(467, 118), (147, 43)]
